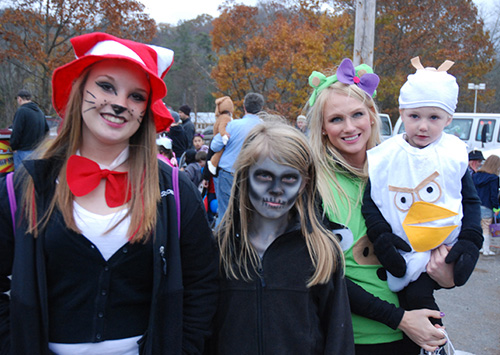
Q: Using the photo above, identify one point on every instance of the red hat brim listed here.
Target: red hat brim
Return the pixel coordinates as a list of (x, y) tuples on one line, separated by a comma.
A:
[(64, 77)]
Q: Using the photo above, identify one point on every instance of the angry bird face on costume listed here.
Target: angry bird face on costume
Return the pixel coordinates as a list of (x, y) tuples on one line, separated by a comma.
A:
[(425, 224)]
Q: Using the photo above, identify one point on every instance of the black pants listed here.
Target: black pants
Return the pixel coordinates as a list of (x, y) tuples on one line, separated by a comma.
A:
[(420, 294)]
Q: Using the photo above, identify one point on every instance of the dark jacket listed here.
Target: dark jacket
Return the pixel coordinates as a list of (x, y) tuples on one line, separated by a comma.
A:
[(275, 313), (179, 140), (29, 127), (184, 293), (190, 130), (487, 188)]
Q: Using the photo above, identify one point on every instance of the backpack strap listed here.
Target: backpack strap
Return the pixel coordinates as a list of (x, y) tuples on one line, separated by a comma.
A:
[(175, 182), (12, 199)]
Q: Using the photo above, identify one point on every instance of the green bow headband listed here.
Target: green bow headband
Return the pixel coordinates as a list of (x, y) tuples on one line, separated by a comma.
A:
[(362, 76)]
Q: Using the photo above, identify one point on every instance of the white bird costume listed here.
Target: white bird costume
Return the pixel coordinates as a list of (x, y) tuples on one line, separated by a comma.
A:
[(418, 192)]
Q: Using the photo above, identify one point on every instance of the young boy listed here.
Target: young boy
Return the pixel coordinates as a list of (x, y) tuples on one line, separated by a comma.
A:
[(419, 195), (195, 163)]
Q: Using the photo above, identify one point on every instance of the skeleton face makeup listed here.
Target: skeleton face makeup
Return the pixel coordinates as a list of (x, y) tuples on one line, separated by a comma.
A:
[(273, 188), (115, 99)]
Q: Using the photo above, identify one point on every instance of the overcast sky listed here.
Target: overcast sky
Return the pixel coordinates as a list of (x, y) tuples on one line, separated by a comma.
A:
[(184, 9), (189, 9)]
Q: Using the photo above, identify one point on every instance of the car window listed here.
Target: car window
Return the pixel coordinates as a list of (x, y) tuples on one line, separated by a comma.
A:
[(460, 127), (488, 126), (385, 128)]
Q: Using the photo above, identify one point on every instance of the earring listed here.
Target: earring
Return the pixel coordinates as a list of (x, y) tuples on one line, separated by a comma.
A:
[(323, 133), (373, 122)]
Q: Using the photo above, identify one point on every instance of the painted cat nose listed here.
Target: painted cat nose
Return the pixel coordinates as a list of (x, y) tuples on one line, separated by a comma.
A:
[(118, 109)]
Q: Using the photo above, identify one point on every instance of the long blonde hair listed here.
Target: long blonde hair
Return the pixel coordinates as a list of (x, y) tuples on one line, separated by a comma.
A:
[(143, 172), (287, 146), (329, 160), (491, 165)]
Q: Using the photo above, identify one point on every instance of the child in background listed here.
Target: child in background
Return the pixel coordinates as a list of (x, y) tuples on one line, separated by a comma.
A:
[(224, 109), (419, 194), (165, 153), (195, 162), (198, 143)]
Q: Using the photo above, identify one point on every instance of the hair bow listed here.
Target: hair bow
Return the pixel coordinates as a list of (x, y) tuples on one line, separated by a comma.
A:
[(362, 76)]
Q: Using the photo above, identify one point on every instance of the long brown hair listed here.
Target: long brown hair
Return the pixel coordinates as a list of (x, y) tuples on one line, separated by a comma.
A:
[(287, 146), (143, 172)]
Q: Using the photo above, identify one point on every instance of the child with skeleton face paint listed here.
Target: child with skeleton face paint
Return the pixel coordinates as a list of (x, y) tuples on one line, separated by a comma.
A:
[(287, 268), (97, 252)]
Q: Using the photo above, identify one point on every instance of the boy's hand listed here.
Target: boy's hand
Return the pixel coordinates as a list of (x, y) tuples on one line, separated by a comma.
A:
[(465, 254), (386, 248)]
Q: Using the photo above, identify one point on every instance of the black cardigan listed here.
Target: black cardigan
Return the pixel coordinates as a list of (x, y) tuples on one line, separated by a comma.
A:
[(184, 277)]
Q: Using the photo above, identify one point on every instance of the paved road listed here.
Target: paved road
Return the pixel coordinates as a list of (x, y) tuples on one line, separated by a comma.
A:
[(473, 310)]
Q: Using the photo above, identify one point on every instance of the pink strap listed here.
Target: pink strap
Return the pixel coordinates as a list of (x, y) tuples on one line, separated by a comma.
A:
[(175, 180), (12, 199)]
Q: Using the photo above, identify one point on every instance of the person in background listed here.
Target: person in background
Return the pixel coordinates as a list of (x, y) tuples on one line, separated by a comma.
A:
[(29, 127), (344, 123), (198, 144), (195, 161), (237, 131), (302, 124), (165, 153), (187, 124), (95, 261), (476, 158), (178, 136), (487, 182), (282, 288)]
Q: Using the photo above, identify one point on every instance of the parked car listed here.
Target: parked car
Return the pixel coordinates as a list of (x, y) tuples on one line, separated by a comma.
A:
[(386, 127), (208, 134)]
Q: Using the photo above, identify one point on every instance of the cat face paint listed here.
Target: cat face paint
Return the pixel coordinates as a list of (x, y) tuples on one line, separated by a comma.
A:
[(115, 99), (273, 188)]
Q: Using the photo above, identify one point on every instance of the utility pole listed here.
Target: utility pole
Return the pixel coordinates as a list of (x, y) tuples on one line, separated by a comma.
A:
[(364, 32)]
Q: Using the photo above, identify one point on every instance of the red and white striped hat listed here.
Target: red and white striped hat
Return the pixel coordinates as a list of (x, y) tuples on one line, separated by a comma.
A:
[(94, 47)]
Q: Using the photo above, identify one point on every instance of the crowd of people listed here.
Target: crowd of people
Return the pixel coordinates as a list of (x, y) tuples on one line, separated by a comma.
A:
[(126, 234)]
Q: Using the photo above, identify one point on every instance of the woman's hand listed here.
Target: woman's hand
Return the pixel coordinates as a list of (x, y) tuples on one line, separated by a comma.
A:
[(438, 269), (416, 325)]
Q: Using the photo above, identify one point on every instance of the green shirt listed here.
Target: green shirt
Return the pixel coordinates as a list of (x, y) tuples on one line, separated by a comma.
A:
[(361, 263)]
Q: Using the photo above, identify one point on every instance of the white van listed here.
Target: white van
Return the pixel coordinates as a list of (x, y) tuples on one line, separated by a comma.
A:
[(479, 130), (386, 127)]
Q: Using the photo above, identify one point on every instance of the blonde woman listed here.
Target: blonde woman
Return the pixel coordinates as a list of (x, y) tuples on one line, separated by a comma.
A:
[(344, 124), (487, 183), (282, 285), (99, 263)]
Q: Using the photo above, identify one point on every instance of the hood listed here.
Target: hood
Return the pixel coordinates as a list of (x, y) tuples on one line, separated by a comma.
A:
[(482, 179), (31, 106)]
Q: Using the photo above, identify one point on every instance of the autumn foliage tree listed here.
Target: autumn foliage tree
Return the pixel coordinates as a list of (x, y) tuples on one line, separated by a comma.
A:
[(34, 38), (189, 81), (272, 49), (434, 31)]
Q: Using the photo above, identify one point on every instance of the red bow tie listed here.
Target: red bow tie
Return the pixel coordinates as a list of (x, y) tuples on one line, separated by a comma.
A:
[(84, 175)]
